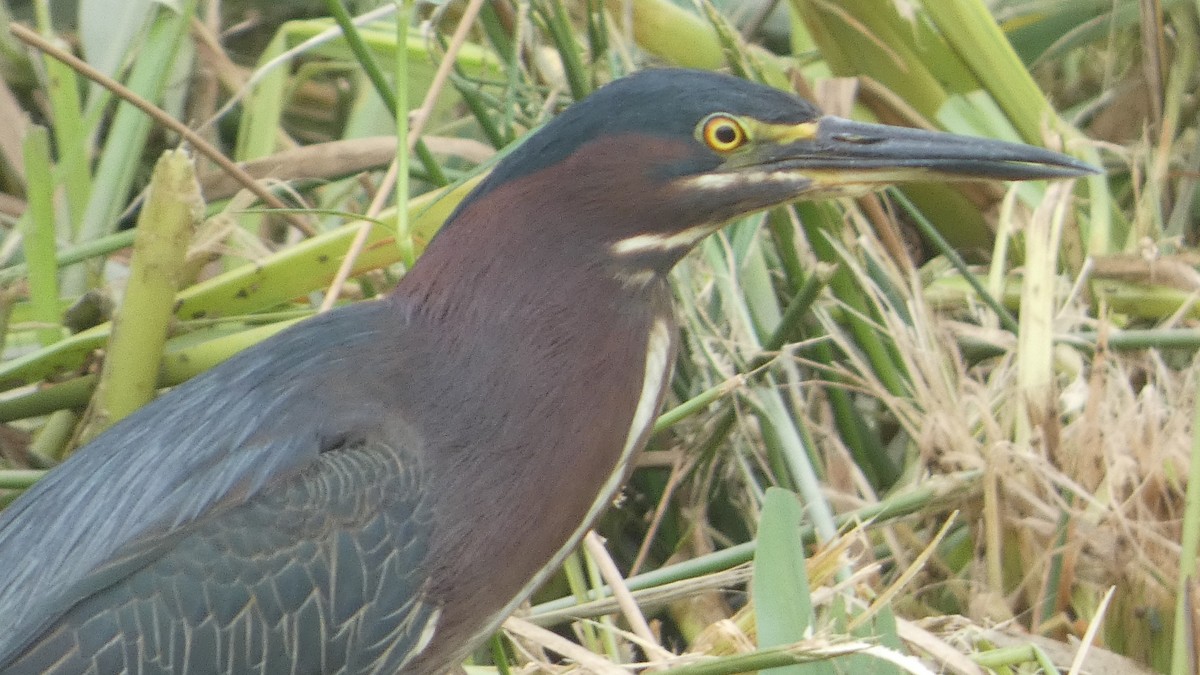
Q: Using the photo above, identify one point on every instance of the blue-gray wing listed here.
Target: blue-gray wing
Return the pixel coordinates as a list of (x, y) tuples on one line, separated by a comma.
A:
[(322, 573), (271, 471)]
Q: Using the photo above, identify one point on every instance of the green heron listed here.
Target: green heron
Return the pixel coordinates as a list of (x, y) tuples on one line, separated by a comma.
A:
[(375, 489)]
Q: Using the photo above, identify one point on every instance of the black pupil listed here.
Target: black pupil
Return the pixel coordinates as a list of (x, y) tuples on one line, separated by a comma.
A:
[(726, 134)]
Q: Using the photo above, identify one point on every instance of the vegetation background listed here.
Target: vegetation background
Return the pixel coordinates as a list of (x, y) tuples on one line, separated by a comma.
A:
[(983, 395)]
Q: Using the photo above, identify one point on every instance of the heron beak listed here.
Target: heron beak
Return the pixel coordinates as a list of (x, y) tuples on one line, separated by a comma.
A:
[(837, 155)]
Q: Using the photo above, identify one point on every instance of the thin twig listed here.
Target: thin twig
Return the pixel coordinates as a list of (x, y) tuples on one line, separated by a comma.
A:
[(629, 606), (286, 57), (160, 116), (556, 643), (419, 117)]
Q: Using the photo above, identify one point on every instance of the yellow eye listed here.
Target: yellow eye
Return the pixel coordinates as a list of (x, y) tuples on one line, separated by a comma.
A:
[(722, 133)]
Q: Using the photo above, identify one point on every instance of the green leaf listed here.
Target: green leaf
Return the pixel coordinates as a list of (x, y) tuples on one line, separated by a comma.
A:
[(782, 603), (108, 29)]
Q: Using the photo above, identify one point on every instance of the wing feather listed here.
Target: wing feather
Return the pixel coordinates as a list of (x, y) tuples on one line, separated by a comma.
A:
[(282, 420), (215, 594)]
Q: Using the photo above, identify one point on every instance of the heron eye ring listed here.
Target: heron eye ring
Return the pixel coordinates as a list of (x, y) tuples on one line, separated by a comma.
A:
[(723, 133)]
